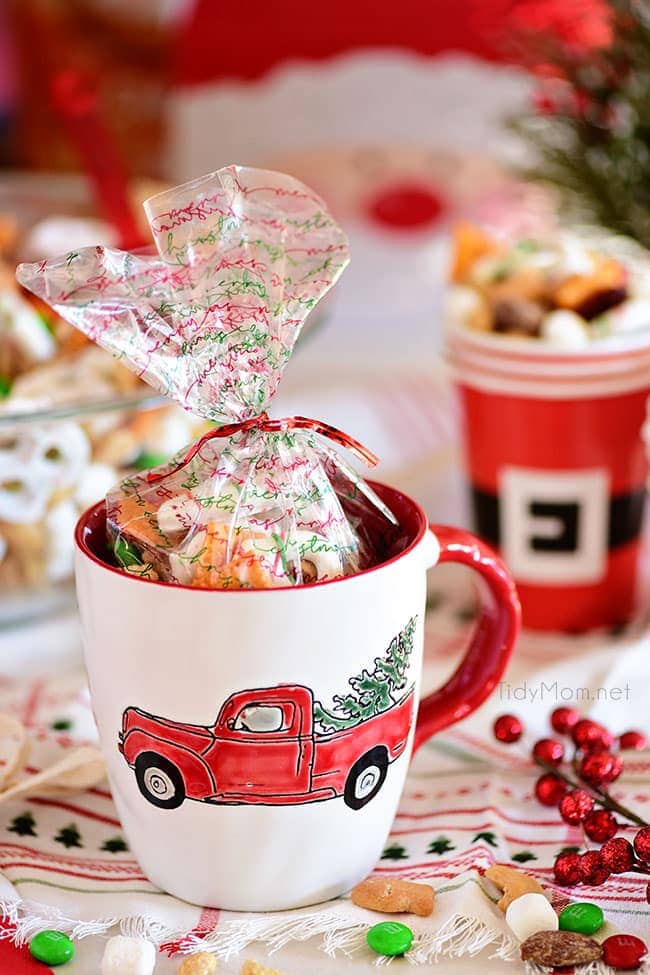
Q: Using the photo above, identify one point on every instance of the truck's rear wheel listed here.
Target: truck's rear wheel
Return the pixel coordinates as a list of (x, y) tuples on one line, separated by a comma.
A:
[(366, 778), (159, 781)]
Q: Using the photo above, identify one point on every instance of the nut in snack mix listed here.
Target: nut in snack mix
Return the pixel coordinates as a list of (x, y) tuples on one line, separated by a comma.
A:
[(210, 319)]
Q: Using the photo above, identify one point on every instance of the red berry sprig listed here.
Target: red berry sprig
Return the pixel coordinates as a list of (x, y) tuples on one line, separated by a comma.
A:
[(582, 799)]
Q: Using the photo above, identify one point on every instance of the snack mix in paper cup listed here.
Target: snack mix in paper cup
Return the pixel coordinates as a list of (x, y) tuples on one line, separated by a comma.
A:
[(210, 319)]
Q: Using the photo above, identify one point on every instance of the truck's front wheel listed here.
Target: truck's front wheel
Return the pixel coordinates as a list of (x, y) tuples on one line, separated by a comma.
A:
[(366, 778), (159, 781)]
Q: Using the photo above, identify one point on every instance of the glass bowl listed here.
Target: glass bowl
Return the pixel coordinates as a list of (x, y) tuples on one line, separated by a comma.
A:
[(56, 462)]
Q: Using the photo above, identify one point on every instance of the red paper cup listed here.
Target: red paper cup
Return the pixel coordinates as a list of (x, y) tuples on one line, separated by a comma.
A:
[(557, 469)]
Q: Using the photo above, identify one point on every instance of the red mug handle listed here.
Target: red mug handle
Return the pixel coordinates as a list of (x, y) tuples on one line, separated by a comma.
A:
[(492, 642)]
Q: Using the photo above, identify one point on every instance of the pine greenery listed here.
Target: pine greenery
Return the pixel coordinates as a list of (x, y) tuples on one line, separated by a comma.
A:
[(372, 691), (591, 130)]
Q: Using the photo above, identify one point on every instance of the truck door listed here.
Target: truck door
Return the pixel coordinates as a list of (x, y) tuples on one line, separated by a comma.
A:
[(259, 750)]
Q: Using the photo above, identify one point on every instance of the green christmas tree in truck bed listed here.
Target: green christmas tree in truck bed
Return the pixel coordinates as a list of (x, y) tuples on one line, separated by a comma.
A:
[(372, 691)]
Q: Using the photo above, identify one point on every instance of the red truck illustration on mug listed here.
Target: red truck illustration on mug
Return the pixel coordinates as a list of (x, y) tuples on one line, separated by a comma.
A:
[(263, 748)]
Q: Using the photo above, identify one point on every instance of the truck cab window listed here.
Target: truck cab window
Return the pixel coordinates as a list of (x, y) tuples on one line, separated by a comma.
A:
[(260, 718)]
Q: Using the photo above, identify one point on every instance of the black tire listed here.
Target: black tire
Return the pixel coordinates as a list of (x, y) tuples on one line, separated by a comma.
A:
[(355, 795), (171, 792)]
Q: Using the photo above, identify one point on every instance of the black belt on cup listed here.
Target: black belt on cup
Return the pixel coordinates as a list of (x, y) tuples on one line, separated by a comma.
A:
[(625, 520)]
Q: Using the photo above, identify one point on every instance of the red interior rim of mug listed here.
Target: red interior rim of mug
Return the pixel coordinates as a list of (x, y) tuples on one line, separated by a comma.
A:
[(90, 538)]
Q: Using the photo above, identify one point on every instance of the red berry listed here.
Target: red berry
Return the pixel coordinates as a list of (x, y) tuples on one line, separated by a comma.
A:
[(599, 768), (548, 750), (617, 854), (592, 869), (624, 951), (549, 789), (633, 739), (647, 893), (563, 720), (508, 728), (589, 734), (642, 844), (576, 806), (600, 825), (567, 869)]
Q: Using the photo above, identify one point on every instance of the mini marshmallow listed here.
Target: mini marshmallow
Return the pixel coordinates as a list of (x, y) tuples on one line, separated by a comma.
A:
[(529, 914), (574, 258), (565, 329), (128, 956), (630, 316)]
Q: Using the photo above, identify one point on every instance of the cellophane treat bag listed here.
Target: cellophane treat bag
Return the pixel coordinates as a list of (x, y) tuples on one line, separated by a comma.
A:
[(210, 318)]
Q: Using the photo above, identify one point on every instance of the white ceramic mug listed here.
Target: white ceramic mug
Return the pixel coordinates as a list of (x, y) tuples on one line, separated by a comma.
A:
[(241, 780)]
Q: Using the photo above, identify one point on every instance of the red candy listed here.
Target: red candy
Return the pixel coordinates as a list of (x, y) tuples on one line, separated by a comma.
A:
[(600, 825), (567, 869), (576, 806), (633, 739), (590, 735), (548, 750), (564, 719), (592, 869), (617, 854), (642, 844), (599, 768), (624, 951), (550, 789), (508, 728)]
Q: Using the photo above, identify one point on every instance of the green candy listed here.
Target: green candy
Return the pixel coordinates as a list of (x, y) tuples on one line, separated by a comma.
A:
[(390, 938), (583, 918), (51, 947), (148, 459), (125, 553)]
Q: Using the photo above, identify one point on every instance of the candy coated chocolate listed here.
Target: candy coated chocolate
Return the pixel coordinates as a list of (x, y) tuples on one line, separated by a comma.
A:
[(51, 947), (390, 938), (584, 918), (624, 951)]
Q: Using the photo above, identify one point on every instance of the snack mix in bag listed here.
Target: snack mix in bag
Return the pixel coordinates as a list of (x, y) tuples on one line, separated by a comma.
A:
[(210, 319)]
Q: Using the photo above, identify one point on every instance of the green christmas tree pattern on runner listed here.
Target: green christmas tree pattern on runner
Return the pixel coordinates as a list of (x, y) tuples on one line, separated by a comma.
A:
[(23, 825), (394, 852), (440, 845), (524, 856), (69, 836), (115, 845), (372, 691), (487, 837)]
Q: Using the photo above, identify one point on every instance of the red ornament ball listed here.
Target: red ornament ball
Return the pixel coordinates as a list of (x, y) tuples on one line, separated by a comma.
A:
[(642, 844), (647, 893), (592, 869), (590, 735), (600, 825), (599, 768), (548, 750), (567, 869), (564, 719), (624, 951), (617, 854), (633, 740), (508, 728), (576, 806), (550, 789)]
